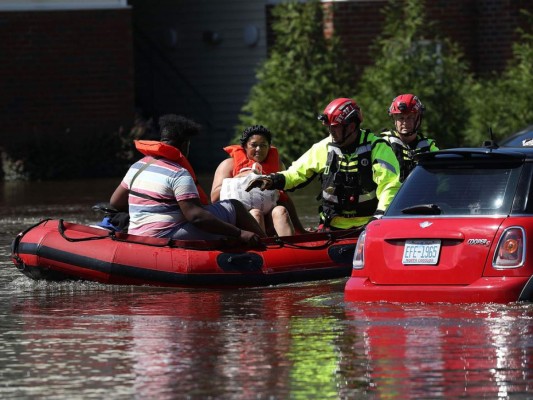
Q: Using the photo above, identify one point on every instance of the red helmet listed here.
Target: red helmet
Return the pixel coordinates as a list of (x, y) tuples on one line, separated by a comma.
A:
[(341, 111), (405, 104)]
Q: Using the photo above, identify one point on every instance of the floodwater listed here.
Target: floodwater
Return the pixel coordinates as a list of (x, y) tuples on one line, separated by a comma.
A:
[(300, 341)]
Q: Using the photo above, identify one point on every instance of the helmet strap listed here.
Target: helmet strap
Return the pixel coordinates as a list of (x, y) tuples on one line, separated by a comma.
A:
[(418, 122), (346, 134)]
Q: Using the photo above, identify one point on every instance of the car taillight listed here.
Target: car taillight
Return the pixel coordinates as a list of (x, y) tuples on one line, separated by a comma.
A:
[(359, 255), (511, 249)]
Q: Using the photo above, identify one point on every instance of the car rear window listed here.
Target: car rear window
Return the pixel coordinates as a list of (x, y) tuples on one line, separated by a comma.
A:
[(486, 190)]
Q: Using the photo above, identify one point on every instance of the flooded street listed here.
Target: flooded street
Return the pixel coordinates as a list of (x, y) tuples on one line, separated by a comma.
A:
[(90, 341)]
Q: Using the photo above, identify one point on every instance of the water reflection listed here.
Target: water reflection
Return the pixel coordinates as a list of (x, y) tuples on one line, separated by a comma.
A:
[(210, 343), (86, 340), (445, 350), (295, 341)]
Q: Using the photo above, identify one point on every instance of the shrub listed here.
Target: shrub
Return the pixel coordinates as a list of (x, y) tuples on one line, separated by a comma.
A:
[(504, 103), (410, 57), (302, 74)]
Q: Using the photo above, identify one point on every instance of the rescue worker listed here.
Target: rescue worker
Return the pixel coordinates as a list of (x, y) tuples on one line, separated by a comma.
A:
[(406, 139), (358, 170)]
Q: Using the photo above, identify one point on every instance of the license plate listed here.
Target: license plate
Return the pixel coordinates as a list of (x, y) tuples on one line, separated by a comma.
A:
[(421, 252)]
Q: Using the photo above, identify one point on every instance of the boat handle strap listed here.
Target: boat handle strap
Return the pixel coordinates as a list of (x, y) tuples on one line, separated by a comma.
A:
[(61, 228)]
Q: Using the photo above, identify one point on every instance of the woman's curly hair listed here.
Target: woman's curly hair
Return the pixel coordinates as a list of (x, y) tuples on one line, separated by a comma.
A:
[(255, 130)]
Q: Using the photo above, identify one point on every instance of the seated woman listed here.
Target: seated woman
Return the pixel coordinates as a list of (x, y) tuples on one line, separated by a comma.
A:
[(255, 150)]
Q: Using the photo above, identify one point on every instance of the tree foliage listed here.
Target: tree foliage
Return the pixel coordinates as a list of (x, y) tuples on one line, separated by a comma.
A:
[(410, 57), (303, 73), (504, 103)]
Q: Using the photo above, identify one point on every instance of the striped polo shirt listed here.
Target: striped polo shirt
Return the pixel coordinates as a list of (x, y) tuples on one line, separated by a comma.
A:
[(166, 183)]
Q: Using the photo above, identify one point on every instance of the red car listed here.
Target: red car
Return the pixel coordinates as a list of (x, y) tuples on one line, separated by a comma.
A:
[(457, 231)]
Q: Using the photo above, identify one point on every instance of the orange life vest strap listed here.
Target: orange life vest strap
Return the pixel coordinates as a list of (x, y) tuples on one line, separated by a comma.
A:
[(155, 148), (270, 164)]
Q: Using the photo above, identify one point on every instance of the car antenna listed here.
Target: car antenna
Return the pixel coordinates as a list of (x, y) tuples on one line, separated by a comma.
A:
[(490, 144)]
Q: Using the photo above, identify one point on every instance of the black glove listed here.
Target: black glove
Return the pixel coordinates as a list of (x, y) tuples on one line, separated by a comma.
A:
[(377, 215), (263, 182), (267, 182)]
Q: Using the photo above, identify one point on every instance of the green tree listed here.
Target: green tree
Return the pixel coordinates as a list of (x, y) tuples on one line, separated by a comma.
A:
[(410, 57), (303, 73), (504, 103)]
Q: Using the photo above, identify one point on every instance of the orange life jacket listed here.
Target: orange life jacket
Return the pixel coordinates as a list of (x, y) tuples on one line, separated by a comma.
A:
[(270, 164), (159, 149)]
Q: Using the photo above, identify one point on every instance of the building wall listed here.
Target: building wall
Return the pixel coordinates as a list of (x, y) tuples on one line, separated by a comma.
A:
[(484, 29), (496, 32), (77, 69), (65, 70), (192, 58)]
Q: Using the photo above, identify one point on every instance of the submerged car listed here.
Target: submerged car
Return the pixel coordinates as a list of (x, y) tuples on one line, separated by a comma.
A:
[(458, 231)]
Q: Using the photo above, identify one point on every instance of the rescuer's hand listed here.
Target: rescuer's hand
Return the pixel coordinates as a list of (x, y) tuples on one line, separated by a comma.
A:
[(263, 182)]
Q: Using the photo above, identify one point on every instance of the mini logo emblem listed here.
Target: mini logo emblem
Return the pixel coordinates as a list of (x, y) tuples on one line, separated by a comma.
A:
[(425, 224), (478, 242), (364, 162)]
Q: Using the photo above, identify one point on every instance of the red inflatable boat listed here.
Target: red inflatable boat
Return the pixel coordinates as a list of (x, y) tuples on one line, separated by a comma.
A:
[(58, 250)]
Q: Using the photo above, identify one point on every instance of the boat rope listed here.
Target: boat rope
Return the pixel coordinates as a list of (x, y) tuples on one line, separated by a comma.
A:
[(147, 241), (61, 229), (279, 243), (178, 244), (331, 238), (16, 241), (292, 242)]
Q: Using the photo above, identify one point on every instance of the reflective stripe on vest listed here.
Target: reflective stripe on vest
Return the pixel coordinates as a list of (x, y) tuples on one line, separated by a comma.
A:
[(353, 192), (405, 154)]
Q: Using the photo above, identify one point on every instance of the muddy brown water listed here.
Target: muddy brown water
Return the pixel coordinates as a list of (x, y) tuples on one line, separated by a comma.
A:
[(84, 340)]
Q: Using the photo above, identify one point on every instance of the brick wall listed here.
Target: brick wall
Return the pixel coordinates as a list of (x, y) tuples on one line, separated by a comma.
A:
[(484, 29), (65, 70), (358, 24), (496, 31)]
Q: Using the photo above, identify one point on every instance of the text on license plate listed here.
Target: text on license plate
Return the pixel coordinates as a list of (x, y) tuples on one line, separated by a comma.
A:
[(421, 252)]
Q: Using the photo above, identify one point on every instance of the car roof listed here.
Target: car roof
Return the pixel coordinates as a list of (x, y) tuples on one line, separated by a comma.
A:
[(491, 153), (517, 139)]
